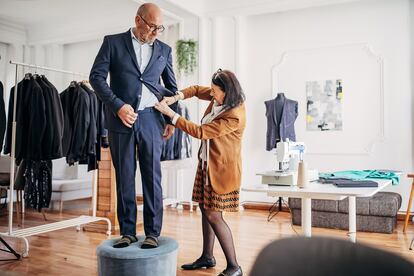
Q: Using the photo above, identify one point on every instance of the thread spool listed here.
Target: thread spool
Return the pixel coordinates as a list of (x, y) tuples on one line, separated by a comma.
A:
[(302, 175)]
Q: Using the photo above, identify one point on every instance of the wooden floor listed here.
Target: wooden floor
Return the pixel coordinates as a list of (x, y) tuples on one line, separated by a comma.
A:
[(67, 252)]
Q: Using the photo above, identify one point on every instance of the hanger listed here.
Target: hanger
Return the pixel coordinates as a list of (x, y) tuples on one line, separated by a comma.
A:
[(27, 76), (73, 84)]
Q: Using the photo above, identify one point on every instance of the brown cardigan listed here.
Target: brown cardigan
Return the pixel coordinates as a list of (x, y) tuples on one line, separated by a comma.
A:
[(225, 134)]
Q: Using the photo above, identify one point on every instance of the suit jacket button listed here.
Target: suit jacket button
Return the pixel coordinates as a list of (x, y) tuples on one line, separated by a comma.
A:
[(141, 79)]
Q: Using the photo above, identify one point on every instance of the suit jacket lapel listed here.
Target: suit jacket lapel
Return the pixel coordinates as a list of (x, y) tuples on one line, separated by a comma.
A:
[(130, 47), (154, 56)]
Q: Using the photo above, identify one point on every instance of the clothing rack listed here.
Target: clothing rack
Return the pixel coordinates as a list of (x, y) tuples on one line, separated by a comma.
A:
[(30, 231)]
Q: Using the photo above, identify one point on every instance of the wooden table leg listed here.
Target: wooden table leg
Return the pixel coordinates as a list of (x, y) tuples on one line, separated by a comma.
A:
[(407, 215)]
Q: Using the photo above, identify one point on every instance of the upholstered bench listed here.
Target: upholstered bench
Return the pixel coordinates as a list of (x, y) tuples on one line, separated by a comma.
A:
[(70, 189), (374, 214), (70, 182), (133, 260)]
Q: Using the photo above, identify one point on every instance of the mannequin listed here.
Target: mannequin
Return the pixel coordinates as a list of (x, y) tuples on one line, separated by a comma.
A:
[(280, 102), (281, 114)]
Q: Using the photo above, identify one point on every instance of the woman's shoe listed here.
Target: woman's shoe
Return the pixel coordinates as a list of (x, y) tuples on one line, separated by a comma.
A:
[(237, 272), (200, 263)]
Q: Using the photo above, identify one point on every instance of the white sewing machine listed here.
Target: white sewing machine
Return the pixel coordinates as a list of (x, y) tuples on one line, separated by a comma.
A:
[(288, 155)]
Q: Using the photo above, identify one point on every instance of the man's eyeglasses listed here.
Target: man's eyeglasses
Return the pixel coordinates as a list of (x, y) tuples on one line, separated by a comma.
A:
[(153, 28)]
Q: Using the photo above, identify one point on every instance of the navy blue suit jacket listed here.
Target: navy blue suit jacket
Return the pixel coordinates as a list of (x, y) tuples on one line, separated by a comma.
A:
[(117, 57)]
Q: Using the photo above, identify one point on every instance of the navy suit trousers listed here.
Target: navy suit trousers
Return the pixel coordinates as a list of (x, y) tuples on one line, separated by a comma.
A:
[(144, 144)]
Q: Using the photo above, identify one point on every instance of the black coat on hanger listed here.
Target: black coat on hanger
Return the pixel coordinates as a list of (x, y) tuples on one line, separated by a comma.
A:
[(93, 139), (55, 122), (30, 120), (76, 111), (34, 114)]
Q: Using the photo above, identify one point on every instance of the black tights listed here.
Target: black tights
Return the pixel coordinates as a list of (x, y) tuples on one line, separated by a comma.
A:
[(214, 225)]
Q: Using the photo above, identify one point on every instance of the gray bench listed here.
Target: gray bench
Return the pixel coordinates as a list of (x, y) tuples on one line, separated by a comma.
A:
[(374, 214), (133, 260)]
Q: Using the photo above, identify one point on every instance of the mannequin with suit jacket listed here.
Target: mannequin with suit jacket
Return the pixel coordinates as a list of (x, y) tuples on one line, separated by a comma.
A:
[(281, 114)]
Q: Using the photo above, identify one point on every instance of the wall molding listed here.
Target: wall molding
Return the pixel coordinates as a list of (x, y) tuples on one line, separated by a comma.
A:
[(380, 136)]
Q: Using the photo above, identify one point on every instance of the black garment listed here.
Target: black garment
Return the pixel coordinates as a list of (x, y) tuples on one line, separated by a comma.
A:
[(102, 131), (49, 131), (38, 186), (35, 114), (20, 87), (2, 117), (52, 138), (349, 183), (75, 103), (179, 145), (91, 148), (281, 114), (39, 130), (30, 120), (93, 125), (56, 122)]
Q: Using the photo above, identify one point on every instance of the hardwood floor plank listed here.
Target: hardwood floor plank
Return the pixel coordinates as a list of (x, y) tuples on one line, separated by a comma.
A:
[(67, 252)]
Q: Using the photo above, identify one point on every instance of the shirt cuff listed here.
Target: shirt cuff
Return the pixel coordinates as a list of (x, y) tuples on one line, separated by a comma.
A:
[(175, 118), (180, 95)]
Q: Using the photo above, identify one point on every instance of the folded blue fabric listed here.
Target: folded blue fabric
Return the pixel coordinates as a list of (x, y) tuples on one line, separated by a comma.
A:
[(364, 174)]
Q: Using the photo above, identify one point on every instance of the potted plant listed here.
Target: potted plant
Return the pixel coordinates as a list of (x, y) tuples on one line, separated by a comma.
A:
[(186, 51)]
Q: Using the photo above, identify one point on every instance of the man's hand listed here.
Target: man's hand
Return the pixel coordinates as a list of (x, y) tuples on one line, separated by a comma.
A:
[(127, 115), (168, 132)]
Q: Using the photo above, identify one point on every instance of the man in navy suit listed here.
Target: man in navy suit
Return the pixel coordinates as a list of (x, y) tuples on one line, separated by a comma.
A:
[(136, 62)]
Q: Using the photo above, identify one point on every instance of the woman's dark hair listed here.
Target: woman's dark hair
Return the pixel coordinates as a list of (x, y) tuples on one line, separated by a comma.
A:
[(230, 85)]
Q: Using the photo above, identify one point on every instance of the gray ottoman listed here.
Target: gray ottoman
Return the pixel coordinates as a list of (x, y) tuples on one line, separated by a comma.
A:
[(133, 260), (374, 214)]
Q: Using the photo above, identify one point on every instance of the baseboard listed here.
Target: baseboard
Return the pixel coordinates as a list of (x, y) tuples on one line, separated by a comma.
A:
[(401, 216), (261, 206)]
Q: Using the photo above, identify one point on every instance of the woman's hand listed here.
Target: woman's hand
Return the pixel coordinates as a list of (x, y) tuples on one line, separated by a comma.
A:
[(164, 108), (171, 100)]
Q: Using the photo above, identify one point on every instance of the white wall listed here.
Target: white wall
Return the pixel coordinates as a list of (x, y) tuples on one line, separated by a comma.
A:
[(382, 24), (79, 57)]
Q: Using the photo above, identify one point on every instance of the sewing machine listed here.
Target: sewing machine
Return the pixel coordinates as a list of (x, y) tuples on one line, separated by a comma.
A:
[(288, 155)]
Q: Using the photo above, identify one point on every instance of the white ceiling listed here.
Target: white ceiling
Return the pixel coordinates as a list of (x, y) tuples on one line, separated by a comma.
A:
[(32, 12), (65, 21)]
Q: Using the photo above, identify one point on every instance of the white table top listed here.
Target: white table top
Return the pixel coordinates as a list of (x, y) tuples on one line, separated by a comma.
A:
[(317, 190)]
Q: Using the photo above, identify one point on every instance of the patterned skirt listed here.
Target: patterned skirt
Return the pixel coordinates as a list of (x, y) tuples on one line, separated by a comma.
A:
[(211, 200)]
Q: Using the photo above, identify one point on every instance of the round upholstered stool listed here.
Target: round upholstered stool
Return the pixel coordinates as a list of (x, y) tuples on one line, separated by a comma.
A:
[(133, 260)]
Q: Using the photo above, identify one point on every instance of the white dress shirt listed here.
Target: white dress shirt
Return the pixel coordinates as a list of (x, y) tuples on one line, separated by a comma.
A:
[(143, 52)]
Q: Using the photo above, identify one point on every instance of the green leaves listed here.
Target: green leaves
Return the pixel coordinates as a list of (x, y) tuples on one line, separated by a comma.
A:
[(186, 52)]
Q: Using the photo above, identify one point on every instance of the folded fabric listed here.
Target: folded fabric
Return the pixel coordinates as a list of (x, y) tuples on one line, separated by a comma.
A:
[(364, 174), (354, 183)]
